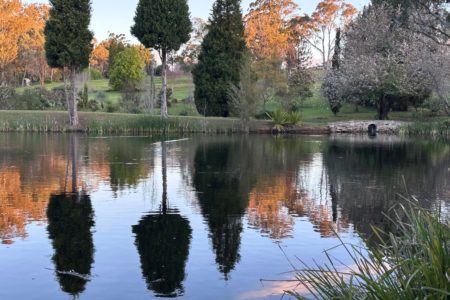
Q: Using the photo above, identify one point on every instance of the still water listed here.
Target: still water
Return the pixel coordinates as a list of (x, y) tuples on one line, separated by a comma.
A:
[(195, 218)]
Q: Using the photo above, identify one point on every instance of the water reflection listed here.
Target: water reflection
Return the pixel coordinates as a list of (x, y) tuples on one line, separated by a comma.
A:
[(127, 162), (222, 186), (244, 192), (367, 178), (162, 240), (70, 221)]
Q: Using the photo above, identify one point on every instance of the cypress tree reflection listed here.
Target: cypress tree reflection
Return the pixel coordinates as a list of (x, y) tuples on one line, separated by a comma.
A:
[(223, 198), (163, 239), (70, 219)]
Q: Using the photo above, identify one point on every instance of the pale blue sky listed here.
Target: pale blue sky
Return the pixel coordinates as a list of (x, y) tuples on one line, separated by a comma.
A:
[(117, 15)]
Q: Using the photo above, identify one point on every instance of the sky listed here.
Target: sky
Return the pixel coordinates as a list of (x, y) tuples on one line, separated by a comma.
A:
[(117, 15)]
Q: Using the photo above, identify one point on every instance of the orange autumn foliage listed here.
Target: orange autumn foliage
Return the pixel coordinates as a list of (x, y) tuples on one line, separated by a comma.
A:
[(274, 202), (22, 32), (13, 23), (267, 28), (21, 203), (319, 28), (100, 56), (146, 53), (32, 42)]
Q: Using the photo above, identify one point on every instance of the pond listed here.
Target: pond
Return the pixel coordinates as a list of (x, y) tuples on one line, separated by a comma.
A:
[(196, 218)]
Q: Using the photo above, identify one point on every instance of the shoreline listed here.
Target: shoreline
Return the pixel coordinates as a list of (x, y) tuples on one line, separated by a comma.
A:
[(108, 123)]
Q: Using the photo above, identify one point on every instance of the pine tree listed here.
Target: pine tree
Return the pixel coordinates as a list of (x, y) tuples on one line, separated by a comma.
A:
[(69, 43), (163, 25), (221, 59)]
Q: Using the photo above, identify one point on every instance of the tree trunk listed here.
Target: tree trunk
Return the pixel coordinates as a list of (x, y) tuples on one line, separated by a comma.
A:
[(152, 93), (2, 76), (72, 99), (383, 108), (24, 75), (164, 113), (164, 176), (74, 152)]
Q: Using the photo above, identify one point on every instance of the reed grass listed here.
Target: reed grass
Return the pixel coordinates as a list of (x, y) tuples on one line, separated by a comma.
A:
[(413, 263), (436, 129), (105, 123)]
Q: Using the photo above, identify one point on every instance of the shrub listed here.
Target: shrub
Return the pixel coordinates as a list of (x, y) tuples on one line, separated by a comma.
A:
[(83, 100), (94, 105), (279, 118), (57, 98), (33, 99), (7, 97), (131, 100), (96, 74), (293, 118), (101, 98), (111, 106)]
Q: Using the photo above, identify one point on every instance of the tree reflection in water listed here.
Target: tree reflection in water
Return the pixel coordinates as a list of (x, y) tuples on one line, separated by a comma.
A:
[(70, 219), (163, 239), (223, 198)]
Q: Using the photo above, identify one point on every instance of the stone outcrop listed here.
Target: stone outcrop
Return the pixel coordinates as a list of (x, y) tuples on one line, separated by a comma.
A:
[(384, 127)]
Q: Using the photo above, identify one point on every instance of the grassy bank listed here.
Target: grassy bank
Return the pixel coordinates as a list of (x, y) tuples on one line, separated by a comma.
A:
[(315, 110), (105, 123)]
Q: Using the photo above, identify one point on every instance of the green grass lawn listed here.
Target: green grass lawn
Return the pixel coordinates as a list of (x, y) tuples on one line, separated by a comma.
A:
[(182, 87), (315, 110)]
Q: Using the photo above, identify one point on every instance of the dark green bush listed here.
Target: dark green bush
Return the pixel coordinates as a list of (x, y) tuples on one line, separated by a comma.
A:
[(111, 106), (7, 97)]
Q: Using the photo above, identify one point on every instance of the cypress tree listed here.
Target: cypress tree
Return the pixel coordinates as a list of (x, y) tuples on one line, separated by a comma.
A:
[(220, 60), (337, 50), (163, 25), (68, 43)]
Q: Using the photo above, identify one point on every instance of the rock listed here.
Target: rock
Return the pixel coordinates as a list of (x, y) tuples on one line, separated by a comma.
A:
[(384, 127)]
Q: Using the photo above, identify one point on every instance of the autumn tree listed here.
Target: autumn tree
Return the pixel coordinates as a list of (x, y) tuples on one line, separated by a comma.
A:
[(220, 60), (319, 28), (100, 57), (163, 25), (68, 43), (267, 28), (14, 23), (31, 55)]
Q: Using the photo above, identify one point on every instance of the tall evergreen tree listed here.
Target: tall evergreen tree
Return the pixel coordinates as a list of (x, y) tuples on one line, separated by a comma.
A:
[(220, 60), (163, 25), (68, 43), (337, 50)]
